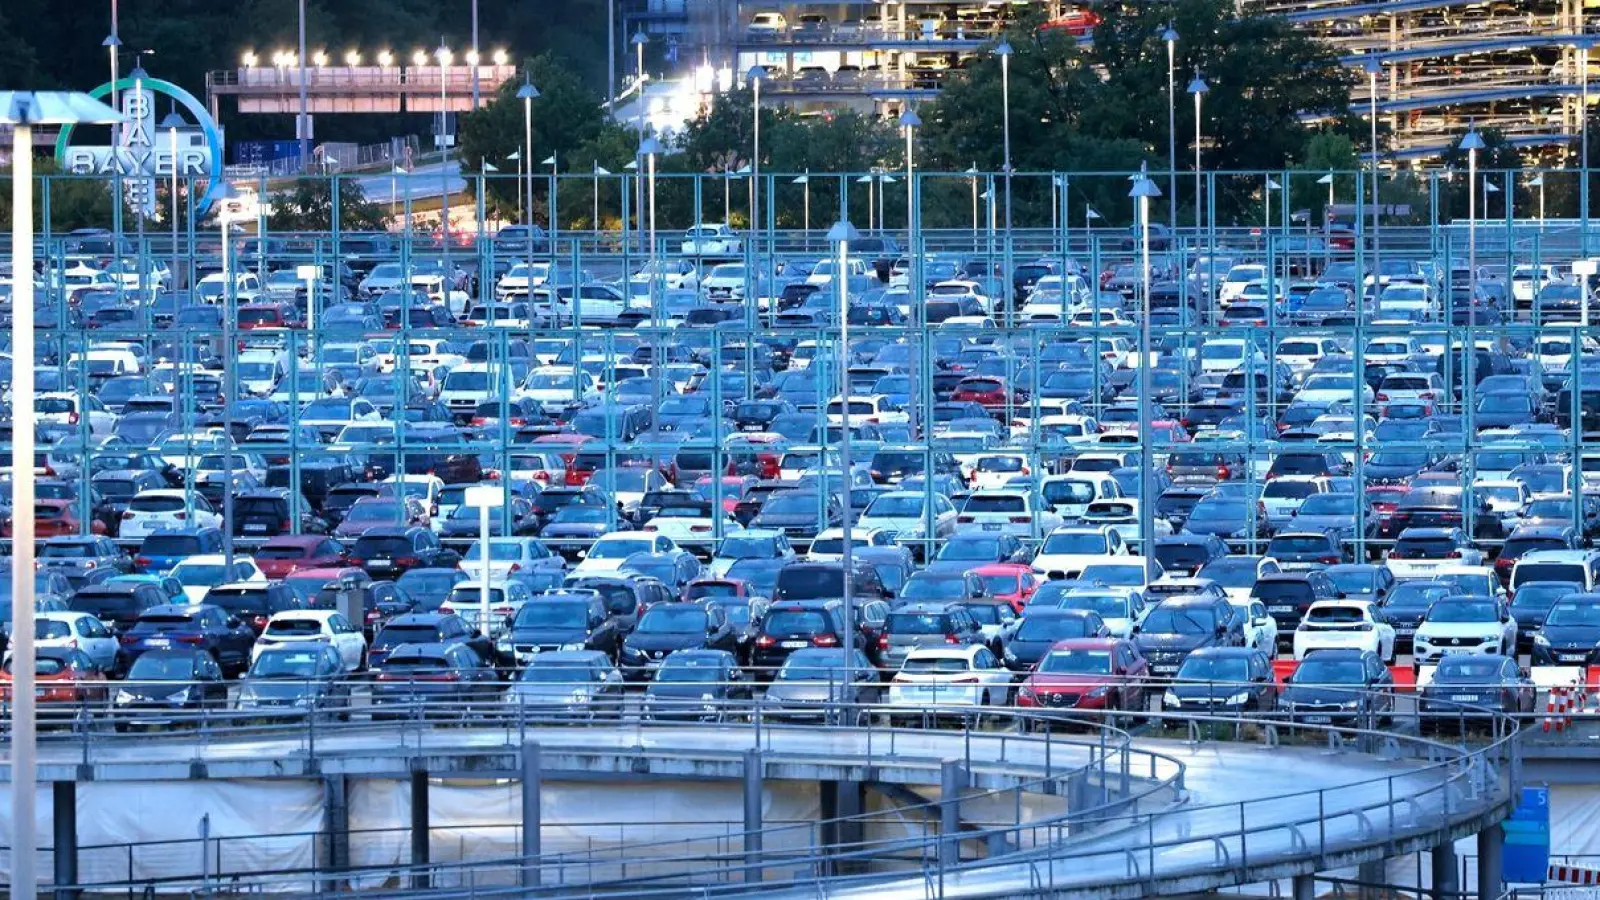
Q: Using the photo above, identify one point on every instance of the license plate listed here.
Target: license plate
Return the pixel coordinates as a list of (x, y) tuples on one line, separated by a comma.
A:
[(1405, 631), (792, 645), (1464, 698), (1163, 670), (380, 562), (159, 642), (255, 528), (991, 526), (1280, 609), (1318, 719), (1572, 657)]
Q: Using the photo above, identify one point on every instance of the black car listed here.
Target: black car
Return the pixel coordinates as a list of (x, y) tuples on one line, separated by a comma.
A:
[(1406, 606), (295, 680), (1339, 687), (1041, 628), (254, 602), (433, 679), (426, 589), (793, 625), (169, 687), (1570, 635), (697, 685), (561, 620), (202, 627), (625, 598), (1287, 596), (1180, 625), (1223, 680), (1188, 553), (669, 627), (426, 628), (267, 512), (1467, 689), (391, 551), (117, 605)]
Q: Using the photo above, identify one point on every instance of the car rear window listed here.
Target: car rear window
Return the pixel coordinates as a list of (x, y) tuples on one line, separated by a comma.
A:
[(796, 621), (395, 635)]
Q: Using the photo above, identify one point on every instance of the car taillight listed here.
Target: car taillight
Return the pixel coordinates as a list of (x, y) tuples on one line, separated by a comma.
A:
[(127, 514), (129, 639), (824, 640), (72, 418), (285, 524), (1330, 559), (963, 519), (1224, 473), (650, 528), (765, 641), (442, 676), (191, 639), (408, 561), (700, 528), (883, 642), (1453, 554), (1382, 396), (355, 561), (1504, 563), (180, 515), (1021, 520), (952, 639), (966, 680)]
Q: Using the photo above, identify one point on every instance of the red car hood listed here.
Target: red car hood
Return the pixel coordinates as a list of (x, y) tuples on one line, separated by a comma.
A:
[(1084, 682)]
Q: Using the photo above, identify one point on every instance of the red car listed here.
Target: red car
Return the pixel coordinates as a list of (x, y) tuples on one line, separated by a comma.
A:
[(55, 518), (63, 675), (701, 588), (1011, 582), (1076, 22), (988, 390), (733, 488), (288, 553), (1087, 673), (763, 464)]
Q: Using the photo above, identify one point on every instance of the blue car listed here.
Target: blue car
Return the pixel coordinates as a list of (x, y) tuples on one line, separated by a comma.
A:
[(164, 549)]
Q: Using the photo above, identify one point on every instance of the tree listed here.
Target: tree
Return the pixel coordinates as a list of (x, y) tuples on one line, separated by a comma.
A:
[(308, 206), (565, 117)]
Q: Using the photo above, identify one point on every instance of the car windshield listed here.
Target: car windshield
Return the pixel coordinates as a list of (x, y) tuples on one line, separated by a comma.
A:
[(558, 671), (900, 507), (971, 549), (1231, 571), (689, 671), (200, 575), (685, 618), (161, 667), (1328, 671), (1462, 611), (924, 586), (287, 664), (618, 549), (1068, 491), (550, 614), (1170, 618), (1212, 668), (1329, 505), (1074, 542), (1076, 662), (1052, 628), (1115, 574)]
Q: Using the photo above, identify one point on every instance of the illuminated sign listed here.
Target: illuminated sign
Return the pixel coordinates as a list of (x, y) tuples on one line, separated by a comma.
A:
[(145, 153)]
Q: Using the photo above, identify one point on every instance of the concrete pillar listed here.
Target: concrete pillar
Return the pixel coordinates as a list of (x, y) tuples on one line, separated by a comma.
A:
[(336, 812), (1305, 887), (64, 797), (1491, 862), (419, 826), (952, 779), (532, 814), (1372, 874), (752, 815), (1446, 884), (841, 800)]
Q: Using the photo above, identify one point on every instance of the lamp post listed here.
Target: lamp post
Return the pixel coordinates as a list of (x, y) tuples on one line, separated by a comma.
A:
[(1373, 67), (172, 123), (1004, 52), (522, 205), (1472, 143), (1170, 36), (972, 182), (1089, 215), (302, 125), (910, 121), (1327, 213), (755, 75), (25, 111), (1488, 188), (639, 40), (484, 498), (648, 148), (230, 379), (1266, 208), (594, 221), (394, 188), (1538, 182), (527, 94), (1143, 189), (550, 214), (1198, 88), (842, 234), (805, 220)]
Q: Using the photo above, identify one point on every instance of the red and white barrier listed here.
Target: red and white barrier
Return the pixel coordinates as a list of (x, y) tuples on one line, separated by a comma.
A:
[(1573, 875)]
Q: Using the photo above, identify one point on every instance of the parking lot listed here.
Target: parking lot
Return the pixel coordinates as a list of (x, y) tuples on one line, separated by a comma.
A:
[(903, 478)]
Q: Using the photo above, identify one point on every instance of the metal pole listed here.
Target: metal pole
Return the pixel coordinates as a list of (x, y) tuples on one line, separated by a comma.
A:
[(1197, 204), (1372, 115), (532, 812), (230, 387), (1146, 457), (1583, 139), (848, 555), (24, 771), (476, 59), (1172, 129), (755, 166), (526, 165), (302, 129), (483, 570), (611, 54)]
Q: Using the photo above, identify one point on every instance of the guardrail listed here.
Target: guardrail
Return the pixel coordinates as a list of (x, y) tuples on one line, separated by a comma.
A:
[(1454, 787)]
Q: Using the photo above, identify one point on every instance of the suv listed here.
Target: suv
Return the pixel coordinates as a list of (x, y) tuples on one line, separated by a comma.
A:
[(925, 625), (825, 581), (791, 625), (267, 512), (254, 602), (118, 605), (426, 628), (391, 551), (1288, 595), (203, 627)]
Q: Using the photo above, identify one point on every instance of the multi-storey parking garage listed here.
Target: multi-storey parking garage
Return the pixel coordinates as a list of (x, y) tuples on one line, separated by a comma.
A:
[(1515, 66)]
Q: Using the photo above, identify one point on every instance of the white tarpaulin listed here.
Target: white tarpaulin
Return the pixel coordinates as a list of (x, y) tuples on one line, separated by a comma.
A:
[(591, 821), (165, 816)]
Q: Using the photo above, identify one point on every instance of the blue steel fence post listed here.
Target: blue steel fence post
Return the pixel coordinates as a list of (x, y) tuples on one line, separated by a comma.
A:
[(1359, 458)]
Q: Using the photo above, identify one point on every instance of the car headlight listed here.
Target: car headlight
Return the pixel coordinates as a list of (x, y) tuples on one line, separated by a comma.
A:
[(580, 696), (708, 697), (1010, 656), (1239, 699), (1540, 639), (125, 697), (576, 645), (1100, 691), (1170, 699), (180, 697), (1349, 704), (503, 646)]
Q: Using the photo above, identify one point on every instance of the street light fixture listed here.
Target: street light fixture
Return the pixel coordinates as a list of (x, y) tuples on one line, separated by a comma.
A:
[(1373, 67), (1198, 88), (1170, 36), (754, 76), (805, 222), (1143, 189), (25, 111), (1472, 142), (843, 234), (1538, 182), (527, 94), (1271, 185), (1004, 52)]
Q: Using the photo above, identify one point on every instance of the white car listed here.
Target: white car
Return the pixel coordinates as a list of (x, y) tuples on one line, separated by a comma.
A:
[(938, 677), (724, 282), (557, 386), (1344, 625), (1301, 353), (1283, 496), (80, 630), (1071, 494), (161, 509), (1238, 278), (1423, 552), (993, 471), (199, 574), (1068, 549), (749, 543), (907, 514), (1121, 608), (1260, 628), (605, 556), (321, 626), (875, 409), (1326, 388), (1390, 349), (510, 556), (1220, 356), (1464, 625), (329, 415), (1122, 515), (828, 546), (690, 524), (711, 240), (1010, 511), (66, 408)]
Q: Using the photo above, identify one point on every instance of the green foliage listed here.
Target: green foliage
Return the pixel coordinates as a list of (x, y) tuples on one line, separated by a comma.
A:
[(308, 206)]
